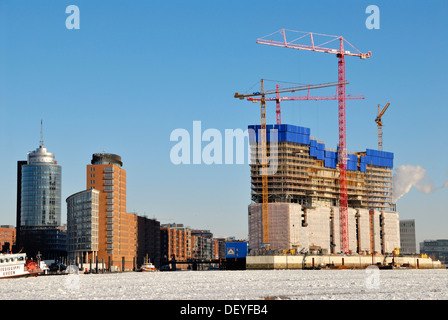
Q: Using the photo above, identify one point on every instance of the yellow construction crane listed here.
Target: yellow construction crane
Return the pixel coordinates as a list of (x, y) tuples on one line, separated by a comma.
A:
[(379, 124), (264, 164)]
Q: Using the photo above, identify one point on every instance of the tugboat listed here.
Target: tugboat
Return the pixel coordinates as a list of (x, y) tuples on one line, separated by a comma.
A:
[(147, 266), (14, 265)]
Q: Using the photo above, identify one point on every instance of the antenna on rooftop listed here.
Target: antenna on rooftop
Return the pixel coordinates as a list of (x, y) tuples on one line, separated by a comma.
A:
[(41, 134)]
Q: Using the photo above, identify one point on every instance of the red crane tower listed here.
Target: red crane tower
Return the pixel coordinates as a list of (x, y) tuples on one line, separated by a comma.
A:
[(340, 53)]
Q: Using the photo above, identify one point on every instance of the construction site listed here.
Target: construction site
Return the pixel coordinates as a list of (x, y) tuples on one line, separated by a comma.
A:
[(308, 198), (304, 198)]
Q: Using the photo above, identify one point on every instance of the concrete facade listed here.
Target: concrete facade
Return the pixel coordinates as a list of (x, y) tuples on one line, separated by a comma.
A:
[(284, 226), (321, 261), (293, 226)]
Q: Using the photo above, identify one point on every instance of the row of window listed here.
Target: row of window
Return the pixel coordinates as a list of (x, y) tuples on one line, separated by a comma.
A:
[(106, 169), (11, 260)]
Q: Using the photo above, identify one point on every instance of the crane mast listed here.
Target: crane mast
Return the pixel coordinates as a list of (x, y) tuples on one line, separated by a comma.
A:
[(342, 157), (264, 168), (278, 111), (379, 124)]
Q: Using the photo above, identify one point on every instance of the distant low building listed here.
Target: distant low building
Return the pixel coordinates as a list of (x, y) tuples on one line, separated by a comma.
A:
[(148, 241), (7, 238), (202, 244), (407, 237), (219, 248), (176, 243), (436, 249)]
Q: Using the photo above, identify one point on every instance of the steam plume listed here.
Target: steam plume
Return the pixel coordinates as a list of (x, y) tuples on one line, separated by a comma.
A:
[(408, 176)]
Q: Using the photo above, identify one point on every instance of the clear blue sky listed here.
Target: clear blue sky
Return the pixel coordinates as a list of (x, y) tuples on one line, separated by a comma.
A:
[(137, 70)]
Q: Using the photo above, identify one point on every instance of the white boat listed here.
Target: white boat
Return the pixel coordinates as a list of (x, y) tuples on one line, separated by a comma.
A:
[(15, 265), (147, 266)]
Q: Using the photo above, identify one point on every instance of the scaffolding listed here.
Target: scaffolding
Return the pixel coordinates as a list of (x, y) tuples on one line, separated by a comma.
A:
[(303, 179)]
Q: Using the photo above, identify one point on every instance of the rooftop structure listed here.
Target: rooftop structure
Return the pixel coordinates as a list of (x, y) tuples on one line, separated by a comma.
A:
[(106, 158)]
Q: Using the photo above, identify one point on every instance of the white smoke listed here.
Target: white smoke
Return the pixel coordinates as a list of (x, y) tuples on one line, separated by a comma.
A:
[(408, 176)]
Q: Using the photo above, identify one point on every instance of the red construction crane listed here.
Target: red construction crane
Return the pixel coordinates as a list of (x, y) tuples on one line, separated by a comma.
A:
[(278, 99), (340, 53)]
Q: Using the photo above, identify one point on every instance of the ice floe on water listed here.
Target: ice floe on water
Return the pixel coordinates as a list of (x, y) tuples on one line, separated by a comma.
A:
[(234, 285)]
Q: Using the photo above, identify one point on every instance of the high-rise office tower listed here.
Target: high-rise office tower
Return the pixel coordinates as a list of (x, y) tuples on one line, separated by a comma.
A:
[(39, 204), (117, 229)]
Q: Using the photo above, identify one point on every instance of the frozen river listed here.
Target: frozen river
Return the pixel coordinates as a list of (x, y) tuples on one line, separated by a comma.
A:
[(369, 284)]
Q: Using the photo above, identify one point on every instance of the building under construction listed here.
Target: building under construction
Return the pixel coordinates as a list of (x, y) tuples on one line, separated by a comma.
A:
[(304, 195)]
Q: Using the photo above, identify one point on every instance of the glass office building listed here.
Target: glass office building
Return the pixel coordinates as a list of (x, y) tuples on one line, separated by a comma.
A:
[(41, 190), (39, 206), (82, 225)]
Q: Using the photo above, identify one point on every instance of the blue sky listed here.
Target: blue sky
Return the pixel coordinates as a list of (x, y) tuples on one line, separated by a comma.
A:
[(137, 70)]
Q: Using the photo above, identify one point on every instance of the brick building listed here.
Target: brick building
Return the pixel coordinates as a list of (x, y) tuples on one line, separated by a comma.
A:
[(176, 243), (7, 238)]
